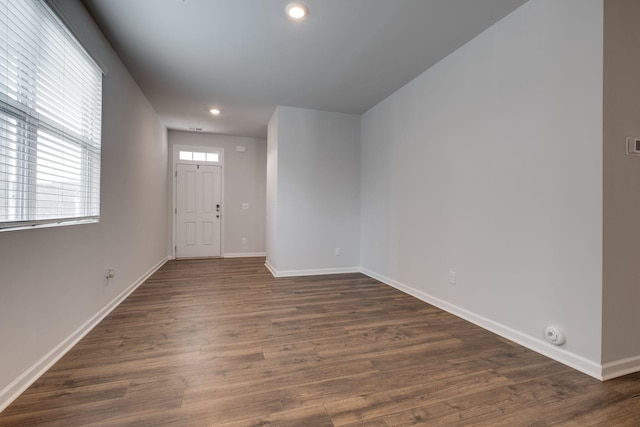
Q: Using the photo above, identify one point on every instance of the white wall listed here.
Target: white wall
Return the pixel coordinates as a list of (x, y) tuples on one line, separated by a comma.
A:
[(244, 182), (318, 191), (51, 280), (621, 314), (489, 164), (272, 192)]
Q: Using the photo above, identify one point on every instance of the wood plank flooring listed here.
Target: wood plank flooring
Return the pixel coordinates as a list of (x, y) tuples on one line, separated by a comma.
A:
[(222, 343)]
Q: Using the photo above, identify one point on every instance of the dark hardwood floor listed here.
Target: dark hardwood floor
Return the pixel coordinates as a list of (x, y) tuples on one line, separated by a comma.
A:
[(222, 343)]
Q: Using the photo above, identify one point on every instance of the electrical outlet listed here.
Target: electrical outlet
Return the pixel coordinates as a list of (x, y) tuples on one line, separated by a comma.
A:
[(109, 274), (244, 240), (452, 277), (338, 252)]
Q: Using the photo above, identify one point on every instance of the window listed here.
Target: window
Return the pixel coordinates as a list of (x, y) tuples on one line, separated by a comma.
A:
[(197, 156), (50, 120)]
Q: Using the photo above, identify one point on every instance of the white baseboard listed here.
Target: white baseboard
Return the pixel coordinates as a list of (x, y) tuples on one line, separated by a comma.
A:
[(538, 345), (316, 272), (272, 270), (28, 377), (620, 367), (245, 255)]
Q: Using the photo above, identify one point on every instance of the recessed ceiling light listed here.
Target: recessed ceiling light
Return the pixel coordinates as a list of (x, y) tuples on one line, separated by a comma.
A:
[(214, 111), (297, 11)]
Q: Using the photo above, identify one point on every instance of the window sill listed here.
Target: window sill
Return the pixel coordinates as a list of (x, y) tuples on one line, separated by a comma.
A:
[(16, 226)]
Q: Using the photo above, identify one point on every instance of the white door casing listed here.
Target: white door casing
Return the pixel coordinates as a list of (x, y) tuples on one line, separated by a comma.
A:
[(198, 210)]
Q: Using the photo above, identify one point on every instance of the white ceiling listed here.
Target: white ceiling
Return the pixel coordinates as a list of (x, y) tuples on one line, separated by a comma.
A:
[(245, 57)]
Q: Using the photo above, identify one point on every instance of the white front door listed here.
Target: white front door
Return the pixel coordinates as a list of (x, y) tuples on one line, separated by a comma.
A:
[(198, 210)]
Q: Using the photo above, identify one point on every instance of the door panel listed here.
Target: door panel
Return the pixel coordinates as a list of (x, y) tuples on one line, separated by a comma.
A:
[(208, 235), (190, 230), (208, 180), (190, 176), (198, 210)]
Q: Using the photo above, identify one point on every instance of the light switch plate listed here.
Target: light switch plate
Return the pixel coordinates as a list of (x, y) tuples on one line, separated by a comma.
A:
[(633, 146)]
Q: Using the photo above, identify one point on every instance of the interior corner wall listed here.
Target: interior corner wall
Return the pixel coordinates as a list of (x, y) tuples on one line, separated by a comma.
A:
[(317, 191), (244, 182), (52, 279), (489, 165), (621, 315)]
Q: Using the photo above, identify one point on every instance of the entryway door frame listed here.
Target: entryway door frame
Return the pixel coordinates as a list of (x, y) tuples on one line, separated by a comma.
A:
[(176, 160)]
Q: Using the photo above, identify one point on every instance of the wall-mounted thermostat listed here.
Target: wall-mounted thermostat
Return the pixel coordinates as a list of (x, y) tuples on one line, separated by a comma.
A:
[(633, 146)]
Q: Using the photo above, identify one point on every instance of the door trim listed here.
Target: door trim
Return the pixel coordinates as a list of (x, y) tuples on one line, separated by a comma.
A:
[(175, 161)]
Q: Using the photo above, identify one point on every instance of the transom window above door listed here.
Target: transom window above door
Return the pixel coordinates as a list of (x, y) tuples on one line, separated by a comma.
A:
[(197, 156)]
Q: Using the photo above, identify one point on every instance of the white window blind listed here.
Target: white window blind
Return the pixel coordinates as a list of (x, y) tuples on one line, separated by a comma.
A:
[(50, 120)]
